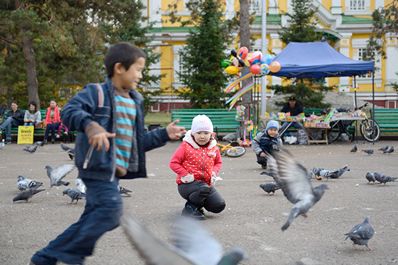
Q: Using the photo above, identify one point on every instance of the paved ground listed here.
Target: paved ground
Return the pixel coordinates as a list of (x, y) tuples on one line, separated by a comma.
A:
[(252, 220)]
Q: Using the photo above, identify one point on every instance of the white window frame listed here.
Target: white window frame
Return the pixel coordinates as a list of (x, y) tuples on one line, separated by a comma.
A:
[(255, 6), (359, 56), (177, 66), (352, 9)]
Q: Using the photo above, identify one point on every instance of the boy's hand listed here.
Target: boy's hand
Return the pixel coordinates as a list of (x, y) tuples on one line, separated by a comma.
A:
[(175, 132), (98, 136), (262, 154)]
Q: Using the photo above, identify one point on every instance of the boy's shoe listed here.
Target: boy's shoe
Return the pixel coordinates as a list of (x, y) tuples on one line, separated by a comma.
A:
[(193, 212), (264, 166)]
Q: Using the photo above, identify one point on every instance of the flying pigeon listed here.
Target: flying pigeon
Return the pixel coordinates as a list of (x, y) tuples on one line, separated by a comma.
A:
[(370, 177), (361, 233), (57, 174), (192, 245), (368, 151), (69, 150), (26, 194), (24, 183), (124, 191), (354, 149), (320, 173), (74, 194), (270, 187), (80, 186), (294, 180), (31, 148), (389, 150)]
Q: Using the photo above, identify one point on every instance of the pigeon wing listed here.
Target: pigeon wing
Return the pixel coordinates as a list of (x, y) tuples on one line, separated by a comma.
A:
[(150, 248), (292, 177), (60, 172), (195, 242)]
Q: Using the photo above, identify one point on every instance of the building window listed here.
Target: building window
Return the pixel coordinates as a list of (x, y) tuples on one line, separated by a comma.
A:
[(255, 6), (357, 6), (361, 56)]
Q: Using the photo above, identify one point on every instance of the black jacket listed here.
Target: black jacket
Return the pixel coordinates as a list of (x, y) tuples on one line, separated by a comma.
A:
[(17, 116), (298, 108)]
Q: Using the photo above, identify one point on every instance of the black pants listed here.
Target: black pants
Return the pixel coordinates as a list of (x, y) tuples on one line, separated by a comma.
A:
[(262, 160), (51, 128), (201, 195)]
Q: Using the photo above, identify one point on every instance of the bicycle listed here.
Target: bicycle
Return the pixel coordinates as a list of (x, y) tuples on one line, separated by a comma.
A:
[(232, 149), (368, 128)]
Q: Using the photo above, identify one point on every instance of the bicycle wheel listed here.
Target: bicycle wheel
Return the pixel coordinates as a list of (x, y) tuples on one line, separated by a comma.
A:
[(236, 151), (334, 132), (370, 130)]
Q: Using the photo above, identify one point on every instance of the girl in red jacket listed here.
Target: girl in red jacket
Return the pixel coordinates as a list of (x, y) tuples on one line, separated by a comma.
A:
[(197, 162)]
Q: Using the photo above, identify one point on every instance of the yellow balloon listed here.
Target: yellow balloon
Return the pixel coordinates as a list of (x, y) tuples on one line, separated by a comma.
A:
[(232, 70)]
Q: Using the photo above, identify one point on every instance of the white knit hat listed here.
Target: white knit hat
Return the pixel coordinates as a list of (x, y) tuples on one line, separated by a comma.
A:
[(201, 123)]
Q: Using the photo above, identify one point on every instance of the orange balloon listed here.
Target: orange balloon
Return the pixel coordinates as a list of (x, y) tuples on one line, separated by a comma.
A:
[(255, 69), (275, 67)]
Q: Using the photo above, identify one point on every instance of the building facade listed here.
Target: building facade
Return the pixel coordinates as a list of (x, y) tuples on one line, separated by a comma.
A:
[(349, 21)]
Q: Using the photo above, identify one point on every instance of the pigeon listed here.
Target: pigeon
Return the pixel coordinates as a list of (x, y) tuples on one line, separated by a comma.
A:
[(361, 233), (319, 173), (368, 151), (124, 191), (57, 174), (381, 178), (192, 244), (74, 194), (69, 150), (270, 187), (354, 149), (293, 178), (80, 186), (2, 144), (370, 177), (383, 148), (389, 150), (39, 143), (24, 183), (31, 148), (26, 194)]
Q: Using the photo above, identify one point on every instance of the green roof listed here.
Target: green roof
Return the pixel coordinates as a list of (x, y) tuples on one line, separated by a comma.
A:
[(356, 20), (171, 29), (272, 19)]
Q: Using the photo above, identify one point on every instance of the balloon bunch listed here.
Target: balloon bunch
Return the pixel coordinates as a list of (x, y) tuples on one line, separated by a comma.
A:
[(258, 63)]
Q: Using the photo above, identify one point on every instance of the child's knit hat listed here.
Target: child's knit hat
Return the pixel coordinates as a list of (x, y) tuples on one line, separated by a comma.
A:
[(272, 124), (201, 123)]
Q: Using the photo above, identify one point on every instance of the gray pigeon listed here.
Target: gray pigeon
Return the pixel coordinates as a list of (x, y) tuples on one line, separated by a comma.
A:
[(80, 186), (39, 143), (270, 187), (381, 178), (26, 194), (370, 177), (57, 174), (69, 150), (354, 149), (31, 148), (74, 194), (320, 173), (361, 233), (293, 178), (389, 150), (24, 183), (383, 148), (124, 191), (368, 151), (192, 244)]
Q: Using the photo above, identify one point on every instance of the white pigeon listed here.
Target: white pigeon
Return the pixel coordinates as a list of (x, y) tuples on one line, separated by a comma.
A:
[(24, 183), (80, 185)]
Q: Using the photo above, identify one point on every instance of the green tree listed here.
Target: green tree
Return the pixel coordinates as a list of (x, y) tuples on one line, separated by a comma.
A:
[(302, 28), (201, 57)]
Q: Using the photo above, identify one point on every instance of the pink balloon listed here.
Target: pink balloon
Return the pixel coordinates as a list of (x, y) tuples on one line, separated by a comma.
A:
[(243, 51), (255, 69)]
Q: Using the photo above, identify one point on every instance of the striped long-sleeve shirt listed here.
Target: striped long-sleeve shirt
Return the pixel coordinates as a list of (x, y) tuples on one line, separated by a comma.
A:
[(125, 129)]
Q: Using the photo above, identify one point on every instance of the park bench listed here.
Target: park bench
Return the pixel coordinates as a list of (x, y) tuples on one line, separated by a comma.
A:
[(387, 119), (223, 120)]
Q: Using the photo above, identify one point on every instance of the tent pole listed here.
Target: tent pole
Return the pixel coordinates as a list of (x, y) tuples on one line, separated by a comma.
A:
[(263, 51), (355, 92), (373, 101)]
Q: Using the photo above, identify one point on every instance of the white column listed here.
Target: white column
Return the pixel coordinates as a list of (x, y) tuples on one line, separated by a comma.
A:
[(273, 7), (229, 9), (336, 7), (155, 7), (154, 69), (276, 48), (345, 44), (392, 59), (176, 64)]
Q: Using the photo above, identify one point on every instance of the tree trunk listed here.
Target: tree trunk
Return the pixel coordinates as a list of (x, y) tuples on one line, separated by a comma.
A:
[(29, 54)]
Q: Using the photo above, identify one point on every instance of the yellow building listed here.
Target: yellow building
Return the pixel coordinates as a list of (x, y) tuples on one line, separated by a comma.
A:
[(348, 20)]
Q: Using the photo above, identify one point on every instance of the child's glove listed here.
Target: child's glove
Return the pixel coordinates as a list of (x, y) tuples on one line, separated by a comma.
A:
[(187, 179), (215, 178)]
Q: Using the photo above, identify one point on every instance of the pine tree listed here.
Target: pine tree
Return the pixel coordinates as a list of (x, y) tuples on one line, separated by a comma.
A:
[(201, 57)]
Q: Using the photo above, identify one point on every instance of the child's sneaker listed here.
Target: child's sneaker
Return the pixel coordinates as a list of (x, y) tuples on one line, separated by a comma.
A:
[(193, 212)]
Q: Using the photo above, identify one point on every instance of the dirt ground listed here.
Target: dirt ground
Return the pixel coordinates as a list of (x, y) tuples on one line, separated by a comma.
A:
[(252, 219)]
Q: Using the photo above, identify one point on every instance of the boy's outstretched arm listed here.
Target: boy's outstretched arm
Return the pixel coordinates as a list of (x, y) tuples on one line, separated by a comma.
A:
[(159, 137)]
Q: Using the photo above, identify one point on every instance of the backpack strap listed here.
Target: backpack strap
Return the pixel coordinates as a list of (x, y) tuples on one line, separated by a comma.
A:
[(100, 92)]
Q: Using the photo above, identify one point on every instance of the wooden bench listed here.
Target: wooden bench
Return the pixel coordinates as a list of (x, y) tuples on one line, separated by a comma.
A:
[(223, 120), (387, 119)]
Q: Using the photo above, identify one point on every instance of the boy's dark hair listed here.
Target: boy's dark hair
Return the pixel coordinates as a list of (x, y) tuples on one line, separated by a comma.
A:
[(34, 104), (123, 53)]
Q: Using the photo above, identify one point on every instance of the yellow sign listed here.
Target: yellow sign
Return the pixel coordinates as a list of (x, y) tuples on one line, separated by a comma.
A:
[(25, 134)]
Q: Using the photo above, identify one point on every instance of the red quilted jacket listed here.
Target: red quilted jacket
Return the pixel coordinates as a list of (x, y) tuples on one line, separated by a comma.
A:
[(201, 162)]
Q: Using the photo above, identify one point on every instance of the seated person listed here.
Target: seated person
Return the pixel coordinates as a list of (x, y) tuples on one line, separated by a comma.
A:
[(32, 115), (12, 118), (266, 141), (294, 108), (53, 119)]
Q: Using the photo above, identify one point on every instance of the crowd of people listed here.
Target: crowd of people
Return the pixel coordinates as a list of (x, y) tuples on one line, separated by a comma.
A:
[(15, 117)]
